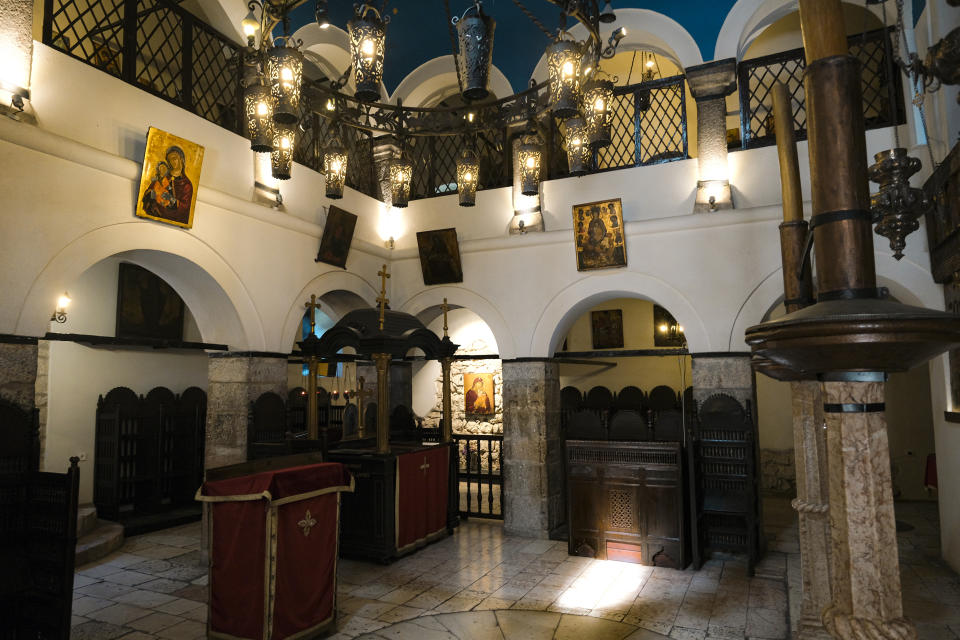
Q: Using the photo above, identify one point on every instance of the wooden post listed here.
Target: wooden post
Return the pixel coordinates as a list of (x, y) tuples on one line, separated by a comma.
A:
[(382, 360), (446, 430), (313, 430), (361, 407)]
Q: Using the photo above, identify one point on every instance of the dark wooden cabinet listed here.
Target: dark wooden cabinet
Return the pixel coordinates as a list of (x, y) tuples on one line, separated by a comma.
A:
[(626, 501), (370, 517)]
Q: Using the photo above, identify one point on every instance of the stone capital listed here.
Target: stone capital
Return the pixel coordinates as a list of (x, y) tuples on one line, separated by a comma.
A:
[(712, 80)]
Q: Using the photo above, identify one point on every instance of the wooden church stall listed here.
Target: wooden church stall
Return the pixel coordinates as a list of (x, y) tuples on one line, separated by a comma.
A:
[(38, 527), (406, 490), (626, 483)]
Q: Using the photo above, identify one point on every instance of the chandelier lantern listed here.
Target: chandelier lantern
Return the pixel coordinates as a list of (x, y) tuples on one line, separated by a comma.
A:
[(578, 146), (281, 158), (563, 65), (367, 31), (597, 109), (468, 170), (258, 109), (285, 74), (529, 159), (401, 174), (475, 37), (335, 170)]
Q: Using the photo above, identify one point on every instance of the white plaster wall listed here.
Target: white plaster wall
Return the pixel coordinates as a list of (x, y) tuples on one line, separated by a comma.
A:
[(79, 374), (947, 442)]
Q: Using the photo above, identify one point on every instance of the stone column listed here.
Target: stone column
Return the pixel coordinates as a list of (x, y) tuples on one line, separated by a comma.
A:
[(812, 505), (865, 575), (382, 361), (728, 373), (534, 504), (710, 84), (234, 381), (446, 423), (18, 372)]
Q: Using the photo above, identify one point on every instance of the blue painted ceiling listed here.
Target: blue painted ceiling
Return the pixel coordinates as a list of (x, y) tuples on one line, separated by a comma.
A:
[(418, 30)]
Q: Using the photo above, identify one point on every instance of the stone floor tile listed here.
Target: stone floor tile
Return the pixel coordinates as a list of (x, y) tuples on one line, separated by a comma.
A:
[(129, 578), (97, 570), (400, 595), (684, 633), (163, 585), (179, 606), (186, 630), (80, 580), (353, 626), (479, 625), (200, 593), (138, 635), (533, 625), (373, 610), (766, 623), (373, 590), (767, 594), (935, 632), (579, 627), (410, 631), (185, 573), (118, 614), (491, 604), (85, 604), (161, 552), (95, 630), (123, 560), (456, 604), (75, 620), (399, 614), (529, 604), (607, 614), (199, 614), (108, 590), (155, 622), (145, 599)]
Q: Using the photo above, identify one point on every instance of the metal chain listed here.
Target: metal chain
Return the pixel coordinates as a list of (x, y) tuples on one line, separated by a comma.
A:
[(534, 19), (453, 45)]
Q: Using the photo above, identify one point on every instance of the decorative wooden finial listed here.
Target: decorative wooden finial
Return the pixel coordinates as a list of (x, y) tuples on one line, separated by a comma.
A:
[(382, 300), (445, 308), (311, 307)]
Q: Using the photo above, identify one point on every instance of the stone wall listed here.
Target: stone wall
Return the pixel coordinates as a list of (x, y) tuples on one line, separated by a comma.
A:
[(778, 472), (41, 393)]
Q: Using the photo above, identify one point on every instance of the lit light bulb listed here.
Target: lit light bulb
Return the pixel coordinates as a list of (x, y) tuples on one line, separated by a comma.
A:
[(63, 302), (336, 165), (663, 328), (680, 328), (366, 48), (284, 142), (468, 177), (576, 142), (470, 116), (286, 74), (331, 105), (250, 25), (649, 64), (262, 109), (567, 69), (598, 105), (531, 163)]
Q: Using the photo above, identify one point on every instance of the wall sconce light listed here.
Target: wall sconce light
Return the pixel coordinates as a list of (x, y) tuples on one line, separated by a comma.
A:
[(17, 94), (60, 315), (713, 195), (672, 330)]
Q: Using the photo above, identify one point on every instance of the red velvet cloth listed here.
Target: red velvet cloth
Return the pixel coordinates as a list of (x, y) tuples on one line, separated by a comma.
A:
[(305, 565), (422, 493)]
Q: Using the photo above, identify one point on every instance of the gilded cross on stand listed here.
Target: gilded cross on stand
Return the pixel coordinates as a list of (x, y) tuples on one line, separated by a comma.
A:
[(445, 308), (307, 523), (312, 307), (424, 466), (382, 300)]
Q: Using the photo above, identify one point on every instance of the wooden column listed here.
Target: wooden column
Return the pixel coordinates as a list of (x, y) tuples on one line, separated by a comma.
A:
[(446, 428), (382, 360), (809, 437), (313, 431), (866, 601)]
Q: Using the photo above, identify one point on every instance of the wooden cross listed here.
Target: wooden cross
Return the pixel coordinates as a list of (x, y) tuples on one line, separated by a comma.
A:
[(382, 300), (445, 308), (425, 466), (312, 307)]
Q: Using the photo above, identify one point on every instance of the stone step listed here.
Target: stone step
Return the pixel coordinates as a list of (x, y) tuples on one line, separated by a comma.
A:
[(106, 538), (86, 519)]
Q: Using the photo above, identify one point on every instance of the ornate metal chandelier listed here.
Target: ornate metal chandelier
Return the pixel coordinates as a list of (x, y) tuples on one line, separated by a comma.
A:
[(897, 206), (576, 92)]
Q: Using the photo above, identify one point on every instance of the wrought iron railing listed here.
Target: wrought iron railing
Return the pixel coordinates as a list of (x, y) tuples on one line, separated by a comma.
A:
[(480, 476), (156, 46), (880, 83)]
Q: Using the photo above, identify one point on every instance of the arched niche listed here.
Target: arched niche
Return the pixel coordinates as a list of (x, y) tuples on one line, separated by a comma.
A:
[(570, 303), (209, 286), (338, 292)]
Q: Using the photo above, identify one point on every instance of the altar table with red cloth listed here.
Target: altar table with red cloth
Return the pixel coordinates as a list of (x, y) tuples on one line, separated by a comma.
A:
[(422, 492), (273, 551)]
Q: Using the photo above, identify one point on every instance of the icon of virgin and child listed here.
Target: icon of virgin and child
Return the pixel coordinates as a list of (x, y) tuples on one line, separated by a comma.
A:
[(167, 192), (478, 399)]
